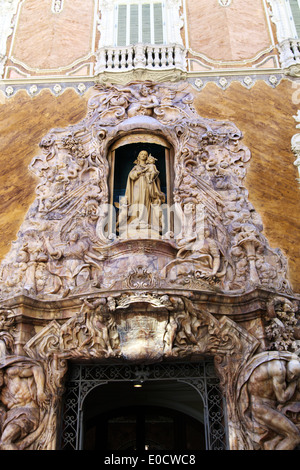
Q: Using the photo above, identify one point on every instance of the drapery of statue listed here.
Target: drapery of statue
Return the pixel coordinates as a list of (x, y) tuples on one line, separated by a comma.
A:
[(140, 213)]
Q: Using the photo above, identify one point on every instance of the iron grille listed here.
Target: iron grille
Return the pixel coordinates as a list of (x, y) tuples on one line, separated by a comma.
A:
[(82, 378)]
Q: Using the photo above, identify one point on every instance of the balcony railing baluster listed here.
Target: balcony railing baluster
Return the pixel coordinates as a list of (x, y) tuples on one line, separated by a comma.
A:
[(150, 57)]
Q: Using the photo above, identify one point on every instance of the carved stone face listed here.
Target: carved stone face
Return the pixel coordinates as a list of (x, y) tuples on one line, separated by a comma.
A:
[(142, 157), (144, 91), (293, 370)]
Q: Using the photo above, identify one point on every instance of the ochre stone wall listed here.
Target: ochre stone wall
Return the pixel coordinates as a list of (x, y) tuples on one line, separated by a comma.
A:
[(237, 32), (263, 114), (24, 122)]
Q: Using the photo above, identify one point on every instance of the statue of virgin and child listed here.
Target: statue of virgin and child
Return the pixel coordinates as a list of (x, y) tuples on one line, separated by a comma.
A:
[(140, 212)]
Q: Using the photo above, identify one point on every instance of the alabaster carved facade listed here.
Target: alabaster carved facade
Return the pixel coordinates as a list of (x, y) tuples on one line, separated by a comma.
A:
[(92, 279)]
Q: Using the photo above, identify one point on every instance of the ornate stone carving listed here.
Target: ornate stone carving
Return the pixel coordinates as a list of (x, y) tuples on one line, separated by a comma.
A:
[(63, 247), (282, 325), (98, 331), (268, 399), (144, 327), (57, 6), (140, 214), (191, 331), (224, 3), (77, 290), (91, 334)]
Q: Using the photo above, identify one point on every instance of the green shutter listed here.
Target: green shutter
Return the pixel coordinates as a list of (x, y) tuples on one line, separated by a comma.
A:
[(122, 19), (146, 23), (296, 14), (134, 24), (158, 23)]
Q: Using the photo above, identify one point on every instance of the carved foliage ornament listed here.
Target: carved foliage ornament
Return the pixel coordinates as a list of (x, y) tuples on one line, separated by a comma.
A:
[(64, 245)]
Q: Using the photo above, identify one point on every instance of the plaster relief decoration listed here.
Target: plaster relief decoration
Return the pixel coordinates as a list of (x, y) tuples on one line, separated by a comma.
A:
[(8, 8), (67, 244), (57, 6), (224, 3)]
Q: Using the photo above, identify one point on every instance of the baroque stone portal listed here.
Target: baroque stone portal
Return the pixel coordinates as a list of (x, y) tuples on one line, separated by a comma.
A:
[(174, 279)]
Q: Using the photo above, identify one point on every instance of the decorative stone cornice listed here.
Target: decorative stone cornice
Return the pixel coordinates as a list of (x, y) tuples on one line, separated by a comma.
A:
[(57, 86)]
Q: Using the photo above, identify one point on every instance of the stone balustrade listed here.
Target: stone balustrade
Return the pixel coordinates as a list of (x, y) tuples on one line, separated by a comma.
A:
[(142, 56), (289, 50)]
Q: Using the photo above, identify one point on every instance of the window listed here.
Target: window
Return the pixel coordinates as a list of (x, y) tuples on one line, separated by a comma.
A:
[(131, 22), (295, 7), (139, 23)]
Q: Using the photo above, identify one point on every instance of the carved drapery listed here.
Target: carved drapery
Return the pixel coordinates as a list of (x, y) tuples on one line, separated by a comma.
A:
[(71, 289)]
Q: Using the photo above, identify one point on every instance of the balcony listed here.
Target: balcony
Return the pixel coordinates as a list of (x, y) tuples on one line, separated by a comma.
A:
[(159, 57), (289, 51)]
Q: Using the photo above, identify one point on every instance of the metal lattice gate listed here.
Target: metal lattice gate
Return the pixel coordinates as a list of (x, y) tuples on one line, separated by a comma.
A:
[(201, 376)]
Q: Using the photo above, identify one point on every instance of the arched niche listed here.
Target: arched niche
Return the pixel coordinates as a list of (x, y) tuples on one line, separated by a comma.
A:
[(122, 154)]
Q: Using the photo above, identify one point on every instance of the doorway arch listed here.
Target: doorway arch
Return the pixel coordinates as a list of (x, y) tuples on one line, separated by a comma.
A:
[(189, 392)]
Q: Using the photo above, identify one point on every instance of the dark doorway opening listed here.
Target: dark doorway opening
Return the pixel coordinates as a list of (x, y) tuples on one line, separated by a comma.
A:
[(101, 401), (144, 428)]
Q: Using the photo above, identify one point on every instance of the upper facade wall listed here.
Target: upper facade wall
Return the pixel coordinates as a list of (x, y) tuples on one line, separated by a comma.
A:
[(236, 34), (69, 37)]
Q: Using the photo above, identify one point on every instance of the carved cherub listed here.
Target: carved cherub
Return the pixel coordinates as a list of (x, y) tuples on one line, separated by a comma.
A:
[(145, 102)]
